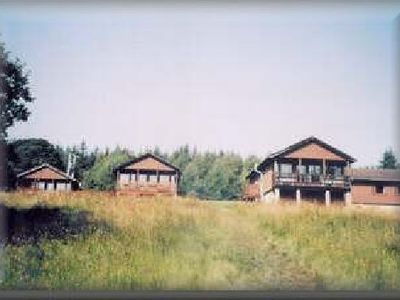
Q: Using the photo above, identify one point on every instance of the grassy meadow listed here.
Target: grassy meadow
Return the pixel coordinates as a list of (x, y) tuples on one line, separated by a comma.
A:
[(99, 241)]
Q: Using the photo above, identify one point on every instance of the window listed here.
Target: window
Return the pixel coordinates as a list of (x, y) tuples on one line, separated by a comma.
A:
[(41, 185), (164, 178), (314, 169), (60, 186), (51, 186), (335, 171), (285, 168), (142, 177), (124, 177), (398, 190), (152, 178), (301, 169), (379, 189)]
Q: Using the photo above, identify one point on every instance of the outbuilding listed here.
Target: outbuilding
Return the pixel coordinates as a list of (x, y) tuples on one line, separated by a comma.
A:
[(375, 187)]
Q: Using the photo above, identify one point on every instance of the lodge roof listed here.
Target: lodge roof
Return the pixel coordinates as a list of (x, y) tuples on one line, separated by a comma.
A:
[(374, 175), (147, 155), (252, 173), (42, 166), (300, 144)]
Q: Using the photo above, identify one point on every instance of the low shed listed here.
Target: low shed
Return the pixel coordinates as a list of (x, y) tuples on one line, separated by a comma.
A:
[(375, 186)]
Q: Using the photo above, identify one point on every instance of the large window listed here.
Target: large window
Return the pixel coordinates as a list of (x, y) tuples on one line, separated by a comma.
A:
[(41, 185), (124, 178), (164, 178), (285, 169), (60, 186), (335, 171), (153, 178), (314, 169), (142, 177), (301, 169)]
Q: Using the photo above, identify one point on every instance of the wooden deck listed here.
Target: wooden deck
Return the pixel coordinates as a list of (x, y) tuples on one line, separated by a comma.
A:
[(147, 189)]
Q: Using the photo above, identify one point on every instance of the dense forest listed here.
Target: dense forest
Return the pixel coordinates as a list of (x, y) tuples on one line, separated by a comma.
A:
[(206, 175)]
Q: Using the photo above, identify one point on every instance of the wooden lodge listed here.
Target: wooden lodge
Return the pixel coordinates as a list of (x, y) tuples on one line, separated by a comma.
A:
[(46, 178), (147, 175), (307, 170)]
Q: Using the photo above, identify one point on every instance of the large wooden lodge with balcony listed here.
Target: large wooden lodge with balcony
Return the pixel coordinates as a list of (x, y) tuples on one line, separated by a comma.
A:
[(312, 170), (308, 170), (147, 175)]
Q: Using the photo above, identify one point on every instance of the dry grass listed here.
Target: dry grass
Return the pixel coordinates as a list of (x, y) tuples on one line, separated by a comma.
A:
[(183, 243)]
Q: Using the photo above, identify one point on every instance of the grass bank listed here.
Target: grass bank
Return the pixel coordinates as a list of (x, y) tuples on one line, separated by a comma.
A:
[(124, 243)]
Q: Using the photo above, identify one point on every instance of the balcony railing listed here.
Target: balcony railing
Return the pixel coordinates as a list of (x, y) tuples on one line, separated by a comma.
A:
[(296, 179)]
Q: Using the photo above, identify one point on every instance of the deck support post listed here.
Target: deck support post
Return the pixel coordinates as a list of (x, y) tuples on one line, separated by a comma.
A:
[(261, 187), (298, 196), (327, 197), (347, 198), (277, 194)]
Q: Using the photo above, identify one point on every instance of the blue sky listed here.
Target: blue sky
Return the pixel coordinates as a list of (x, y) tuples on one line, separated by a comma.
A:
[(250, 78)]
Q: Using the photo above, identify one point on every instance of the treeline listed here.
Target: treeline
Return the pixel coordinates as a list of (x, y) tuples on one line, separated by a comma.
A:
[(206, 175)]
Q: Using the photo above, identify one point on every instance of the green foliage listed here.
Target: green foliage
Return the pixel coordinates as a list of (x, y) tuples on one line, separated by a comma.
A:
[(194, 176), (181, 157), (15, 92), (388, 160), (101, 176), (223, 178), (24, 154), (213, 175), (84, 159)]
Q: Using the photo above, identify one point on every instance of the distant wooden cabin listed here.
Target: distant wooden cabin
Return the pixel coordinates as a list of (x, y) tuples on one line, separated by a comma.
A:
[(375, 187), (46, 178), (307, 170), (147, 175)]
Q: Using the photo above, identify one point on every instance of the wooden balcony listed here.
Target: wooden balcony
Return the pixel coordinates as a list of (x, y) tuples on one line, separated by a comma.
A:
[(147, 189), (311, 180)]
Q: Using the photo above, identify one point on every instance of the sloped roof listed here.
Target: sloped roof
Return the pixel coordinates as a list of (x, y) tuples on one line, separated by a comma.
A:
[(300, 144), (374, 174), (147, 155), (253, 173), (42, 166)]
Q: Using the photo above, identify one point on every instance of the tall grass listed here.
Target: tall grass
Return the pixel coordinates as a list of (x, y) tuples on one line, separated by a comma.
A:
[(183, 243)]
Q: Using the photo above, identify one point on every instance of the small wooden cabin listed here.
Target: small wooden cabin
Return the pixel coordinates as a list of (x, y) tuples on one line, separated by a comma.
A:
[(147, 175), (46, 178)]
